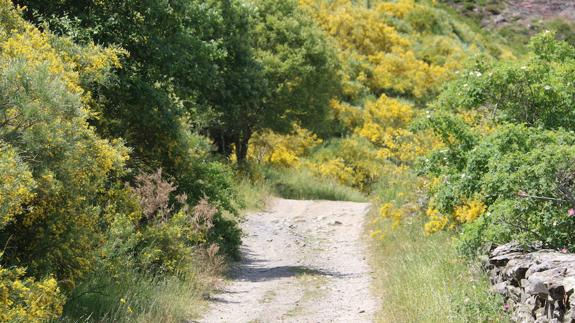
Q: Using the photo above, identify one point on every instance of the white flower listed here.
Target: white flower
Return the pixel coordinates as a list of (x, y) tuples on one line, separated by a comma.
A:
[(547, 88)]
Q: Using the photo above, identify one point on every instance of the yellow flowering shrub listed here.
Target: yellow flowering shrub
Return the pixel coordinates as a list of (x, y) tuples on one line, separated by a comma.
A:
[(336, 169), (357, 27), (469, 211), (384, 123), (403, 72), (26, 300), (436, 221), (389, 211), (377, 57), (351, 161), (282, 150), (67, 165), (398, 9)]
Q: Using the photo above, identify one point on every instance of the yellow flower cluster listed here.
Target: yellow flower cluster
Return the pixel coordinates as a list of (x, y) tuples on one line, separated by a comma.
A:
[(389, 211), (282, 150), (356, 27), (16, 184), (62, 57), (436, 223), (27, 300), (336, 169), (402, 72), (465, 213), (384, 124), (398, 9), (469, 211)]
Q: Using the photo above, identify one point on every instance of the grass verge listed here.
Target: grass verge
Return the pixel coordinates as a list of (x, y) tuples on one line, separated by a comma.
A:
[(137, 297), (423, 278), (303, 185), (254, 194)]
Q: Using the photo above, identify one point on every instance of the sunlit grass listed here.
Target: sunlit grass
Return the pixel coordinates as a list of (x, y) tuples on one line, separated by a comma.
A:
[(303, 185), (254, 194), (423, 278), (137, 297)]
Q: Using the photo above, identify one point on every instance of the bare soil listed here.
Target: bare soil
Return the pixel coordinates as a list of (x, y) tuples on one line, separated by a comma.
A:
[(303, 261)]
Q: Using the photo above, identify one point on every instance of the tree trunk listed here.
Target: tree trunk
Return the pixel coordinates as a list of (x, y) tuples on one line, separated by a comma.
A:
[(223, 143), (242, 144)]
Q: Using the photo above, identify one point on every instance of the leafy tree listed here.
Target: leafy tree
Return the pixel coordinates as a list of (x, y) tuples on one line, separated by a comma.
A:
[(178, 67), (289, 78)]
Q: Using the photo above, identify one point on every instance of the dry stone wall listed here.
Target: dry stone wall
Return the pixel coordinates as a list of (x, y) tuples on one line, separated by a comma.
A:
[(538, 285)]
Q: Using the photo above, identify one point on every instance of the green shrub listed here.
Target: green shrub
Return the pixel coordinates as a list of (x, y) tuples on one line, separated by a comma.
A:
[(537, 91), (514, 167), (514, 172)]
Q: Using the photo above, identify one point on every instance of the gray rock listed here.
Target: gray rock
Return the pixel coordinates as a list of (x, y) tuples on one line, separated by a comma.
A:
[(535, 287), (538, 285)]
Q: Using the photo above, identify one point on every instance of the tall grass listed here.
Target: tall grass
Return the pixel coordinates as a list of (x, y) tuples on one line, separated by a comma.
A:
[(302, 184), (138, 297), (423, 278), (254, 193)]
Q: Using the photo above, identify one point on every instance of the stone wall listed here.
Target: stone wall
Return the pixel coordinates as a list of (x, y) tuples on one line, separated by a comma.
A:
[(538, 285)]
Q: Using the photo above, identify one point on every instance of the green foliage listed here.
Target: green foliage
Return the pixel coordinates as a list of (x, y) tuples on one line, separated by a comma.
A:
[(287, 75), (536, 91), (521, 173), (298, 63), (17, 187), (46, 122), (457, 138), (66, 215)]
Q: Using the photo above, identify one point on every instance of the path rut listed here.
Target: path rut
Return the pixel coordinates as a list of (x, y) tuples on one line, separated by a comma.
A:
[(303, 261)]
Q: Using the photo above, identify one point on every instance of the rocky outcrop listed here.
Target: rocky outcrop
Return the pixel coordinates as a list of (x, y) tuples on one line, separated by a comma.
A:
[(525, 12), (538, 285)]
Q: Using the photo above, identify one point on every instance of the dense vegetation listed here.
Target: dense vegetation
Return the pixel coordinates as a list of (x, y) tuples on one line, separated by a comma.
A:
[(108, 170), (509, 163), (133, 134)]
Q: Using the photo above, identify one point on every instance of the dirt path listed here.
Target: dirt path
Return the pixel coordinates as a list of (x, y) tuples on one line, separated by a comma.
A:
[(304, 261)]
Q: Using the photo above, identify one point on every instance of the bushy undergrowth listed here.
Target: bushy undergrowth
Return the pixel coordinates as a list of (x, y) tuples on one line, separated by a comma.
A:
[(505, 169), (114, 203)]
